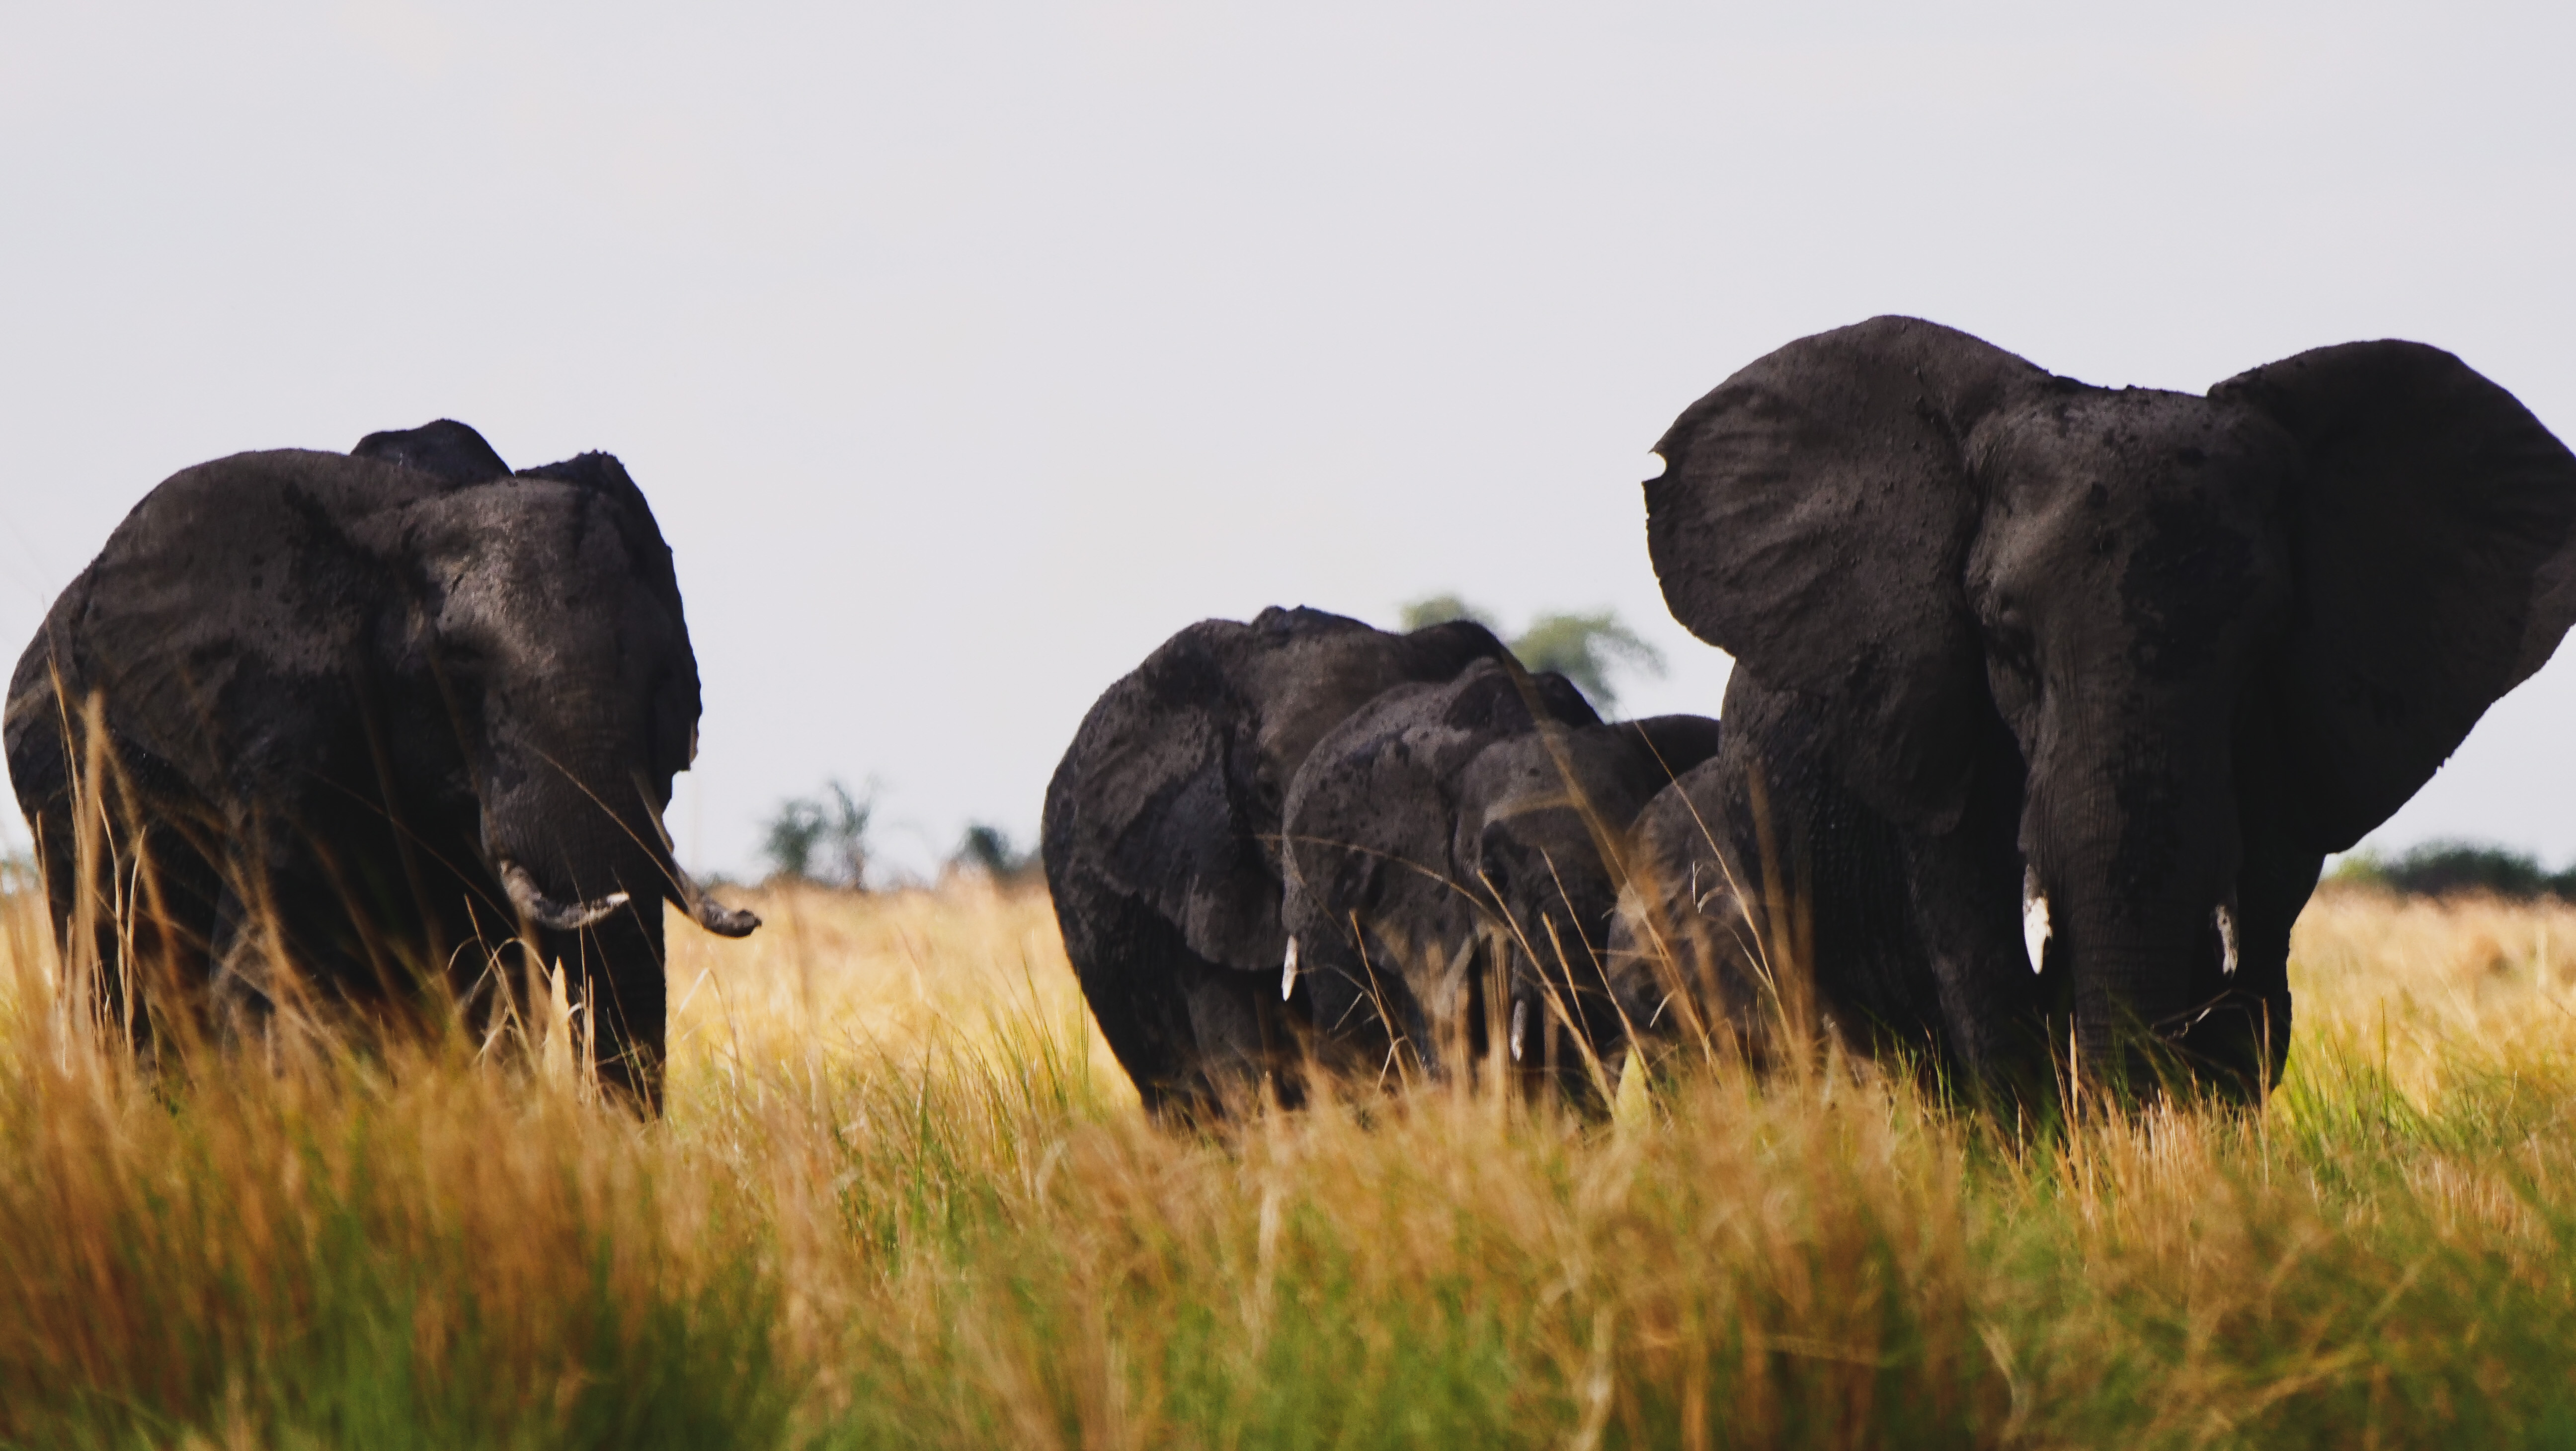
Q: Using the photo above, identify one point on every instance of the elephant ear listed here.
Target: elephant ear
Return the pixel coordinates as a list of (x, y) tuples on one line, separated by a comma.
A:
[(1145, 800), (1813, 519), (2433, 545)]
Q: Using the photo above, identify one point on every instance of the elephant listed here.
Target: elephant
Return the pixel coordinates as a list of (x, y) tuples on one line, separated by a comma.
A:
[(1455, 854), (2050, 700), (1160, 838), (1719, 920), (346, 729)]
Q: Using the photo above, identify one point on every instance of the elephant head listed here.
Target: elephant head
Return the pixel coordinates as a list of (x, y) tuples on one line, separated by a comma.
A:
[(2210, 639), (1453, 854), (546, 623), (548, 620)]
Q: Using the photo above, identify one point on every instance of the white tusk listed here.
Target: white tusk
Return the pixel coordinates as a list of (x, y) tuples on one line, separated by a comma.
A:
[(1288, 972), (2226, 940), (1520, 1025), (2034, 918), (545, 911)]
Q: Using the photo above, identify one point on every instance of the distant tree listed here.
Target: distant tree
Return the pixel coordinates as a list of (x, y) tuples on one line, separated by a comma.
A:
[(822, 838), (989, 849), (18, 872), (2453, 868), (1441, 609), (1585, 649)]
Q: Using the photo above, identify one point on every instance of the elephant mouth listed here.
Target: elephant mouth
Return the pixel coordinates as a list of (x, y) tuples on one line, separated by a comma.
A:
[(535, 905)]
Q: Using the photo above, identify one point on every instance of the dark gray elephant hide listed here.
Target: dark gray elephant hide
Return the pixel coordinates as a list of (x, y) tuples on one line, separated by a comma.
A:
[(374, 718), (2033, 674)]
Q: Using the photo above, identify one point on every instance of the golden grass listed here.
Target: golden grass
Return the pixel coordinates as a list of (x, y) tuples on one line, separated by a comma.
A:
[(904, 1197)]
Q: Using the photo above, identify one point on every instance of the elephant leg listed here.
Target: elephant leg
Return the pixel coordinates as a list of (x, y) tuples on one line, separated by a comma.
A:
[(1965, 890), (79, 874), (139, 893), (614, 976), (1129, 961), (2237, 1038), (1826, 881), (2246, 1039), (176, 896)]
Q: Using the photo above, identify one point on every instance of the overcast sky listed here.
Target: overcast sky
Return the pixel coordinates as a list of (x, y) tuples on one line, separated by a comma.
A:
[(966, 351)]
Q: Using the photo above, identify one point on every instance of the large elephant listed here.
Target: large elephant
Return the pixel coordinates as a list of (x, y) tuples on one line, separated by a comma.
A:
[(1161, 836), (342, 729), (2050, 699), (1455, 854)]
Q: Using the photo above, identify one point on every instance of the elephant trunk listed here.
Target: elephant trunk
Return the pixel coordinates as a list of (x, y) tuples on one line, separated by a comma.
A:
[(2131, 892), (2129, 992), (705, 910)]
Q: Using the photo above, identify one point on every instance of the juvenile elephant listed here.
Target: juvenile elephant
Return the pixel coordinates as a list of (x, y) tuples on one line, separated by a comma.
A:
[(1161, 835), (2050, 699), (1454, 861), (373, 716), (1721, 916)]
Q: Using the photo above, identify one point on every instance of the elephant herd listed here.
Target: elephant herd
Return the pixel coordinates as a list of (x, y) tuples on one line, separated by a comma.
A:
[(1303, 835), (2049, 701)]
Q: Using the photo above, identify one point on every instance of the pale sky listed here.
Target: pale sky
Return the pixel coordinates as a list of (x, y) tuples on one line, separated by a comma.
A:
[(966, 351)]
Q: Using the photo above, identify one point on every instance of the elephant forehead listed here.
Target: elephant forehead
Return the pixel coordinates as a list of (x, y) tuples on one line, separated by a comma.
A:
[(539, 568), (2171, 502), (2193, 575), (2135, 439)]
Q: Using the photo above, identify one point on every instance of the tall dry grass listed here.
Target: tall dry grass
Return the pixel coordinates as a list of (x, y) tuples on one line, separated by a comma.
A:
[(903, 1197)]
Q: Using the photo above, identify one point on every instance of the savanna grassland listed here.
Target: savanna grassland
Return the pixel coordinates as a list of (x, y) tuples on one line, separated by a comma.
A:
[(904, 1197)]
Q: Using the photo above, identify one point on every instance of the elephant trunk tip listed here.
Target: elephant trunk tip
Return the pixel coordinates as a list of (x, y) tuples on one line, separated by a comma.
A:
[(722, 920), (709, 913)]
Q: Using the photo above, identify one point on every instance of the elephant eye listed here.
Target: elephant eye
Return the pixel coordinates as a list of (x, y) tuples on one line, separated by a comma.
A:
[(2008, 638)]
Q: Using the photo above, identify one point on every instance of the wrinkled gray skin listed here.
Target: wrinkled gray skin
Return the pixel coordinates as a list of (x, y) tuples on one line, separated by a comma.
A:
[(1161, 838), (2004, 640), (1451, 839), (397, 707)]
